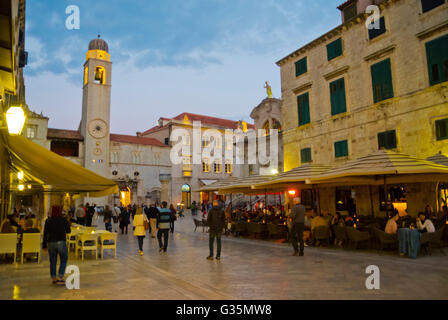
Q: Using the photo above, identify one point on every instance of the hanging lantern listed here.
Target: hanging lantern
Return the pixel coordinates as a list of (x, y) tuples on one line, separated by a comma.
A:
[(15, 119)]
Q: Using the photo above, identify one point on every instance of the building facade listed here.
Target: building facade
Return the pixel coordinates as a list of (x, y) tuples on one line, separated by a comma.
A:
[(354, 91)]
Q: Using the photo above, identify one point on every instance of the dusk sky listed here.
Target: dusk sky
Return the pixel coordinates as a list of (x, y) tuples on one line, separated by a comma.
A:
[(169, 56)]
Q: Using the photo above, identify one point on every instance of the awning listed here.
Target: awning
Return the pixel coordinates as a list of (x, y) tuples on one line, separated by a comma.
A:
[(55, 172), (439, 159), (207, 182), (244, 185), (215, 185), (399, 168)]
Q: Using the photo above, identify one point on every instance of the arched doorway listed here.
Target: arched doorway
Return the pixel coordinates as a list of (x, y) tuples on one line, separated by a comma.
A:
[(125, 196), (186, 195)]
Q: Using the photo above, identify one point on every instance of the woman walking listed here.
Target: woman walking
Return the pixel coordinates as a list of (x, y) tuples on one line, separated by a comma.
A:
[(124, 220), (140, 230), (55, 230), (173, 218)]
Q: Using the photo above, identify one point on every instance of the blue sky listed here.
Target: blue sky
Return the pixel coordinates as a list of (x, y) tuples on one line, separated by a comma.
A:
[(169, 56)]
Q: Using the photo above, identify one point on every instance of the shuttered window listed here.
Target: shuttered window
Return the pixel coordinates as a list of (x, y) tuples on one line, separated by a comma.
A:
[(337, 95), (428, 5), (303, 108), (382, 81), (437, 57), (442, 129), (301, 67), (305, 155), (373, 33), (334, 49), (341, 149), (387, 140)]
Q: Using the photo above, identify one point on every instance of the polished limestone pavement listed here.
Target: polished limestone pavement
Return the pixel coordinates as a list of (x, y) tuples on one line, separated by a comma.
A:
[(249, 269)]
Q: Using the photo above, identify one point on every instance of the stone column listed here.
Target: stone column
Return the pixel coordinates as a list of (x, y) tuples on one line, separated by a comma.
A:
[(165, 180)]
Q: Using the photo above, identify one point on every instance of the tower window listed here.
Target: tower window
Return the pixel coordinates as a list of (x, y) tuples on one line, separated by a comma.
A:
[(100, 75)]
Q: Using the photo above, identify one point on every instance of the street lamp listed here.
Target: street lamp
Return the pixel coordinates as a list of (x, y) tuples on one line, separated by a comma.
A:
[(274, 171), (15, 119)]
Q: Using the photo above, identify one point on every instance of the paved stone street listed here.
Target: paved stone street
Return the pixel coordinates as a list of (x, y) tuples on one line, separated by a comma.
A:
[(249, 269)]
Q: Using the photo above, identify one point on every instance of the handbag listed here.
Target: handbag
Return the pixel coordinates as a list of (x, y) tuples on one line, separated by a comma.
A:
[(146, 224)]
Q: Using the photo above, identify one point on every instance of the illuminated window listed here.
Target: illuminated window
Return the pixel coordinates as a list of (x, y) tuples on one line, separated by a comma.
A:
[(266, 128), (228, 166), (86, 75), (276, 125), (31, 131), (186, 164), (206, 165), (205, 142), (100, 75), (218, 167)]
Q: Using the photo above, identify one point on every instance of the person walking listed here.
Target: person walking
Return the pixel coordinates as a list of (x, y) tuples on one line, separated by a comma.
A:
[(297, 219), (80, 214), (173, 218), (216, 221), (153, 212), (54, 238), (163, 226), (194, 209), (124, 220), (108, 219), (115, 214), (139, 225)]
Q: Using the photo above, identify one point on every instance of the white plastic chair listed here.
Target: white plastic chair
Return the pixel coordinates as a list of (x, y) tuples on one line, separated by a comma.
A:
[(8, 243), (31, 243)]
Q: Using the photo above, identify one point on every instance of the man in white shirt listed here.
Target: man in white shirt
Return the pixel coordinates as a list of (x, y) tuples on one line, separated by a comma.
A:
[(115, 214), (423, 224)]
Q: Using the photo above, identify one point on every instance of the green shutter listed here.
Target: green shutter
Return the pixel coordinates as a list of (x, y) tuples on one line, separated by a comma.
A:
[(337, 94), (382, 81), (442, 129), (301, 67), (334, 49), (341, 148), (437, 57), (303, 108), (305, 155)]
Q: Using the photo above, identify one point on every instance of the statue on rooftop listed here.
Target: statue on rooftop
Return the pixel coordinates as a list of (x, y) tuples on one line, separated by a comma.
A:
[(268, 89)]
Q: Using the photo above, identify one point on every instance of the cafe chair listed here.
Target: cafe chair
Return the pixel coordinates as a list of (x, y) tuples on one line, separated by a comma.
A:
[(322, 233), (340, 234), (241, 227), (86, 242), (8, 244), (429, 240), (108, 241), (71, 240), (385, 239), (31, 243), (356, 237)]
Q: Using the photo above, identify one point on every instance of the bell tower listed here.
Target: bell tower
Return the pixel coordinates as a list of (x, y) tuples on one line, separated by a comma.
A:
[(95, 118)]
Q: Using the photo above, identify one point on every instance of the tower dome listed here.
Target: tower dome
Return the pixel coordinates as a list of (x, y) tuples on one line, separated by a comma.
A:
[(98, 44)]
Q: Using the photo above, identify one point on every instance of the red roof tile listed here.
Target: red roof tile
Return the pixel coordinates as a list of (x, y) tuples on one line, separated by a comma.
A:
[(64, 134), (136, 140), (231, 124), (154, 129)]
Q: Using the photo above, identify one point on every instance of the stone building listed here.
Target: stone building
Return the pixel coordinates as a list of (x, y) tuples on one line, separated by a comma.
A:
[(187, 176), (353, 91), (136, 163)]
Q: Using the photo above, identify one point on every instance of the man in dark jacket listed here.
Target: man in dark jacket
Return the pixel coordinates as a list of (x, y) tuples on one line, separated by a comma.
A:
[(297, 217), (216, 220), (152, 214)]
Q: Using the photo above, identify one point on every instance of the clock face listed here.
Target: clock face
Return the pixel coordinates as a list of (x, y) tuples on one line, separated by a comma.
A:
[(98, 128)]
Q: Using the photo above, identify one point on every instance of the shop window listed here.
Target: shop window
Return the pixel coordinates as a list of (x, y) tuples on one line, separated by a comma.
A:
[(344, 200), (395, 194)]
